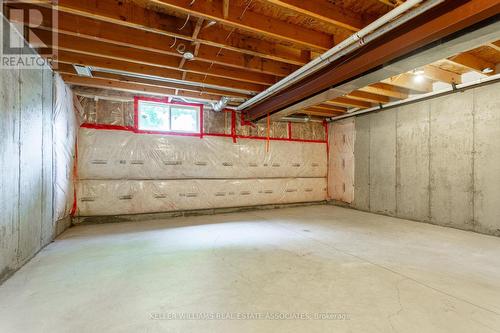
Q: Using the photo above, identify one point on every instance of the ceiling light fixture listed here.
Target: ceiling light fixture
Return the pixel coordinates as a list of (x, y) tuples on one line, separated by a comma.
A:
[(419, 78), (188, 56), (419, 75), (487, 70)]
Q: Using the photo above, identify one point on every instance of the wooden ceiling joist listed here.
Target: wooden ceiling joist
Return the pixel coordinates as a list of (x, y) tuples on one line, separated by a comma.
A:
[(321, 113), (113, 64), (118, 52), (225, 8), (409, 81), (246, 20), (348, 102), (329, 107), (324, 12), (494, 45), (134, 87), (473, 63), (438, 74), (132, 15), (386, 90), (391, 3), (85, 27), (368, 97)]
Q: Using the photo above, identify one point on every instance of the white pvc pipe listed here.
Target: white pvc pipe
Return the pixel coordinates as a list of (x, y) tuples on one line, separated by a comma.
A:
[(335, 52)]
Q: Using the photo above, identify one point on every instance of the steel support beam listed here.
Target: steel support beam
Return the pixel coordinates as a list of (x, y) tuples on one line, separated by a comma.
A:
[(441, 22)]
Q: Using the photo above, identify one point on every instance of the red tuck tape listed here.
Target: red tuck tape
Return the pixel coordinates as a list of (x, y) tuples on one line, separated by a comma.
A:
[(233, 134)]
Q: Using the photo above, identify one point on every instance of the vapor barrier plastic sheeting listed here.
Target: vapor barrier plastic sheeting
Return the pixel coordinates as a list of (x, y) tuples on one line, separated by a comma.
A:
[(108, 154), (341, 173), (115, 197), (65, 124)]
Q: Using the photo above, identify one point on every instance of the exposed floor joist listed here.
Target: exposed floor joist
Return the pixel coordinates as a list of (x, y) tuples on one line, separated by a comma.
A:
[(474, 63), (153, 21), (324, 12), (118, 52), (408, 81), (246, 20), (348, 102), (386, 90)]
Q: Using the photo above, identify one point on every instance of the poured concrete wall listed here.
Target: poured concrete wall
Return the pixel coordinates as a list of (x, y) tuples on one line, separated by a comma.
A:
[(435, 161), (27, 220)]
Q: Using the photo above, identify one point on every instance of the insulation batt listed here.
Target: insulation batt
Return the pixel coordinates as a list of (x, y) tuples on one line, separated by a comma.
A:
[(122, 172)]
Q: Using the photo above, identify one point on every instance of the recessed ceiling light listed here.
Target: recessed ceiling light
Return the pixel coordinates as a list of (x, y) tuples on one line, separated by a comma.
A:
[(419, 78), (419, 72), (487, 70), (188, 55)]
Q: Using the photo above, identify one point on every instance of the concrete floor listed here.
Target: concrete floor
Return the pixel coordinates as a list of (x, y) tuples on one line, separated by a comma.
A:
[(385, 274)]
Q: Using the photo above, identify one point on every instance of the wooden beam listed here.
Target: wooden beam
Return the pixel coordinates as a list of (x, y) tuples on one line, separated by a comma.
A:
[(368, 97), (324, 12), (196, 31), (494, 45), (132, 15), (99, 62), (225, 8), (247, 20), (134, 87), (409, 81), (197, 28), (473, 63), (329, 107), (438, 74), (386, 90), (390, 3), (69, 69), (113, 51), (347, 102), (70, 24), (321, 113)]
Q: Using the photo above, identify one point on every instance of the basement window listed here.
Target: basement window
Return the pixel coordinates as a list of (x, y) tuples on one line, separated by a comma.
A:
[(160, 116)]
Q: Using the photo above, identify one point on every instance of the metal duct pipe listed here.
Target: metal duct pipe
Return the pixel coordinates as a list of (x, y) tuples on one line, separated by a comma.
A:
[(348, 46), (303, 119), (168, 80), (221, 104), (299, 119)]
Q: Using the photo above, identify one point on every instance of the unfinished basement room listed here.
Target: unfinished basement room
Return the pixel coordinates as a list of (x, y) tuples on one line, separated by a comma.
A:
[(250, 166)]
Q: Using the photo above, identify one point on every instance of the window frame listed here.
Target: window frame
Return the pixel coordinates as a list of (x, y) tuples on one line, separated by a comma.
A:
[(138, 99)]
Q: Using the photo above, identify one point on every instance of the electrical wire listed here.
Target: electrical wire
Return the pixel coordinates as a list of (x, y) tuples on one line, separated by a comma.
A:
[(226, 39), (185, 23)]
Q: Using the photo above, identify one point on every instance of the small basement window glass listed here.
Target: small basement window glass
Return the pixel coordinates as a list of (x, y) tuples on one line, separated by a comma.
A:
[(185, 119), (154, 116), (164, 117)]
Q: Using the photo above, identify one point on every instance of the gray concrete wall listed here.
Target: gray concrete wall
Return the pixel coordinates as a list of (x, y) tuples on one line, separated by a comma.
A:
[(26, 165), (435, 161)]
